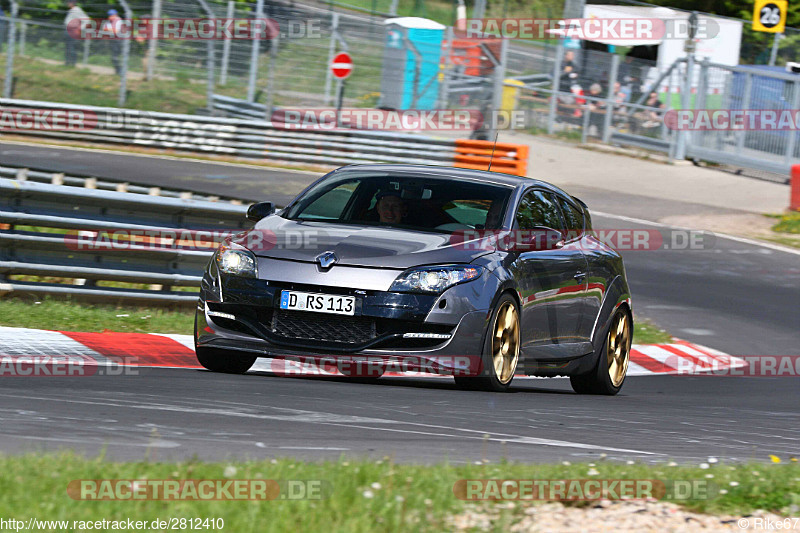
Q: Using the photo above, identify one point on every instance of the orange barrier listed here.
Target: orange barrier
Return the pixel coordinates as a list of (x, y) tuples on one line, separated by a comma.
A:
[(794, 197), (508, 158)]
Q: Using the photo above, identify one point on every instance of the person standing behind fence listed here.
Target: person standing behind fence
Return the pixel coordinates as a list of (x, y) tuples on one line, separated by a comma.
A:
[(112, 26), (71, 42)]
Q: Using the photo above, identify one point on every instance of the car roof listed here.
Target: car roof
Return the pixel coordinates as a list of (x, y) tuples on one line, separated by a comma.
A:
[(452, 173)]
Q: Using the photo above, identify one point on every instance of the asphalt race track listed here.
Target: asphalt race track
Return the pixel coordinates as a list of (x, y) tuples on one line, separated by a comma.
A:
[(737, 297)]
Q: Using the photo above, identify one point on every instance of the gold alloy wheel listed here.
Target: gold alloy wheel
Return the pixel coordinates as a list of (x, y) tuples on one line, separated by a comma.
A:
[(505, 343), (618, 348)]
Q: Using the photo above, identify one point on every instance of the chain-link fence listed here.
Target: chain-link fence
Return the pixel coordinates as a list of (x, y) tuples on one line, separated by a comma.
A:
[(583, 94)]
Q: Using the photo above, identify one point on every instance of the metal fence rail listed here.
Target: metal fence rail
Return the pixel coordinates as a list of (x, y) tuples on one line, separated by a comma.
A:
[(52, 233)]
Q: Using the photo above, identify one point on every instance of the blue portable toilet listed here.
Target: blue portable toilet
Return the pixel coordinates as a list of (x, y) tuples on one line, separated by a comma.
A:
[(411, 58)]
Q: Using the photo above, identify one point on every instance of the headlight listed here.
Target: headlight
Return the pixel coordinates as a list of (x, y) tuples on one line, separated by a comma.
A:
[(434, 279), (236, 260)]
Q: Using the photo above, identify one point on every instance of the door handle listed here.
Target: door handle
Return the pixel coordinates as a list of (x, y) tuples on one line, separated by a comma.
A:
[(579, 276)]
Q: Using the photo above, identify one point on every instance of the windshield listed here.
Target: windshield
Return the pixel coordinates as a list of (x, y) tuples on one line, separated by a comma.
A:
[(412, 202)]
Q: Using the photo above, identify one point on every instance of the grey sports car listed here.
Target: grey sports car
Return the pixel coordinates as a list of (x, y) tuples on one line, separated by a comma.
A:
[(475, 274)]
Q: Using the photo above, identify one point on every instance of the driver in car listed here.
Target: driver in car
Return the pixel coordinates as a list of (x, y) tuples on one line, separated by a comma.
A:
[(390, 207)]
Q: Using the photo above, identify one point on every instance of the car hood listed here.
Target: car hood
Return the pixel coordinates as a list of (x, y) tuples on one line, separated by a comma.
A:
[(354, 245)]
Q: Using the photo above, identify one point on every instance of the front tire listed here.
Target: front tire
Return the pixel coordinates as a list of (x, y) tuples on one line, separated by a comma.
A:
[(224, 361), (612, 361), (500, 350)]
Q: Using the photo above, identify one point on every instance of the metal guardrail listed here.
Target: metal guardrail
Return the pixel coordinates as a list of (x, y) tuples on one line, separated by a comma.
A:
[(237, 108), (244, 138), (35, 243)]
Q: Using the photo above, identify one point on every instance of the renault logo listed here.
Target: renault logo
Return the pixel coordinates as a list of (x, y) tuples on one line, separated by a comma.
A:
[(327, 259)]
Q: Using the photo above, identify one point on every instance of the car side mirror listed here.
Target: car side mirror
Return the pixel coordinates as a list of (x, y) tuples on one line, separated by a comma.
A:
[(260, 210), (539, 238)]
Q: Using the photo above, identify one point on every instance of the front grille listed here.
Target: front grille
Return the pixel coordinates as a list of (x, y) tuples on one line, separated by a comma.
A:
[(323, 328)]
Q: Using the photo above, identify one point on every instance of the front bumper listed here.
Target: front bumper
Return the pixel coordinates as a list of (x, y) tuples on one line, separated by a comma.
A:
[(241, 314)]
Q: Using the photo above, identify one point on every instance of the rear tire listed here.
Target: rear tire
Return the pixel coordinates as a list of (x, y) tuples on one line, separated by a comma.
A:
[(609, 373), (224, 361), (500, 350)]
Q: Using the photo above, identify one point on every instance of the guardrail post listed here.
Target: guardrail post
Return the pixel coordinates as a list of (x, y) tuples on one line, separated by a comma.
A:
[(610, 99), (254, 53), (12, 35), (497, 90), (699, 103), (273, 53), (587, 117), (210, 64), (444, 88), (686, 93), (86, 45), (126, 52), (745, 104), (551, 115), (152, 42), (226, 49), (331, 52)]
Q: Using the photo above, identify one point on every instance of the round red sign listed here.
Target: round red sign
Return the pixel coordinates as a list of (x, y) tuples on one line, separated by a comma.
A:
[(342, 65)]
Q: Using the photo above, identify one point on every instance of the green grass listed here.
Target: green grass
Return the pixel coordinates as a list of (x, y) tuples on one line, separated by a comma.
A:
[(788, 223), (37, 80), (645, 332), (360, 495), (786, 231), (71, 316)]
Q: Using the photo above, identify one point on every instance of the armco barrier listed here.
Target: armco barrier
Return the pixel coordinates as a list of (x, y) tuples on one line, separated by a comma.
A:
[(245, 137), (27, 209), (251, 138), (503, 157)]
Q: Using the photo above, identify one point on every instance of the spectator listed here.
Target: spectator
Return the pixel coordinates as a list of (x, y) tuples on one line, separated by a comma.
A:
[(597, 107), (596, 91), (112, 26), (649, 119), (74, 13), (569, 72)]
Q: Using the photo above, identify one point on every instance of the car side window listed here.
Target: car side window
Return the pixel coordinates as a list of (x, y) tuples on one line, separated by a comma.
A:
[(572, 216), (331, 204), (537, 209)]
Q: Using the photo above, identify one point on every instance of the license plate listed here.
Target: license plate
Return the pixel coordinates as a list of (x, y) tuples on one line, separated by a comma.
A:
[(320, 303)]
